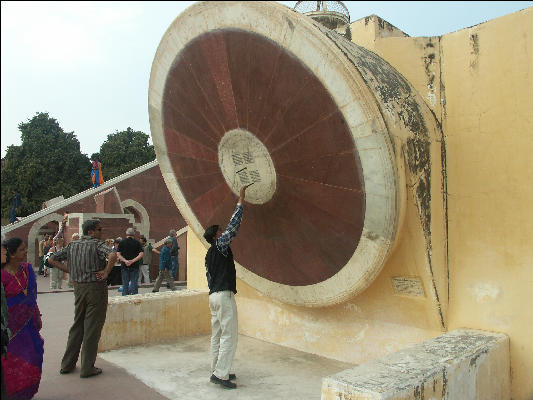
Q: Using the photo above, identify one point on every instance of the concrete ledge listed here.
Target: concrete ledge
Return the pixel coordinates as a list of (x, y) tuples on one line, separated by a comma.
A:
[(459, 365), (155, 317)]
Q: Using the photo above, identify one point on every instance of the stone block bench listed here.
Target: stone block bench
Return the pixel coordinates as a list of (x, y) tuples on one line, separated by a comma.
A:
[(459, 365), (155, 317)]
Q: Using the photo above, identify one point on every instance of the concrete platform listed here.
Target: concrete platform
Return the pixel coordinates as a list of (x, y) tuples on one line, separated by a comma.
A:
[(173, 370), (180, 370)]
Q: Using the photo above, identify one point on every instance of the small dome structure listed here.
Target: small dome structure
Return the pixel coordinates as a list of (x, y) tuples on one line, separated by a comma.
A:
[(331, 14)]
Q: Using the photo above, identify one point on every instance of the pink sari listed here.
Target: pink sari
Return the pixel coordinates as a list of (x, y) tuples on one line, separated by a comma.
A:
[(24, 360)]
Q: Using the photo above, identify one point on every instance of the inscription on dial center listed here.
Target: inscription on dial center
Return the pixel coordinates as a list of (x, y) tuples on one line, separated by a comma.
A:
[(243, 160)]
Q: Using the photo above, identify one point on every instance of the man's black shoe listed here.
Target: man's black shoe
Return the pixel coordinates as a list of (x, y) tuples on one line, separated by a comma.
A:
[(232, 377), (65, 371), (225, 383)]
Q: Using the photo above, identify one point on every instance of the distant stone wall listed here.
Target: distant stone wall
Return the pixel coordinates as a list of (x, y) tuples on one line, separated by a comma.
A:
[(143, 190)]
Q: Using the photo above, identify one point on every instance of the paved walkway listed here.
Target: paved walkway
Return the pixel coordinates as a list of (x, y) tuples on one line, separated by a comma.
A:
[(115, 383), (178, 370)]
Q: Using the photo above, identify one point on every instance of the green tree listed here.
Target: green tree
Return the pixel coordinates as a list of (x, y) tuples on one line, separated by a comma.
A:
[(47, 164), (123, 151)]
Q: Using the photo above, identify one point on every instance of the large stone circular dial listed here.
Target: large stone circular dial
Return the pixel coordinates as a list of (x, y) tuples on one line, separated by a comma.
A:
[(233, 103), (275, 119)]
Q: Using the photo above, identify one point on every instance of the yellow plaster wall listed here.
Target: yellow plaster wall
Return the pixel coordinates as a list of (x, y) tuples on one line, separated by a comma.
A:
[(195, 262), (482, 89), (363, 33), (416, 58), (366, 30), (488, 79), (482, 83)]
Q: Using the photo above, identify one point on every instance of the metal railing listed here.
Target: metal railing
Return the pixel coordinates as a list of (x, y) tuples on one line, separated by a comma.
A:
[(322, 6)]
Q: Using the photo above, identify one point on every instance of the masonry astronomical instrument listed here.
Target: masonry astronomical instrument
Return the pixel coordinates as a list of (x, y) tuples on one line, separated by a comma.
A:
[(244, 92)]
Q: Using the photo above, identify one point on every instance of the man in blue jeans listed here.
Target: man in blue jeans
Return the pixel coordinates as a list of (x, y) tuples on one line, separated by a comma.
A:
[(129, 253), (164, 268), (174, 251), (15, 206)]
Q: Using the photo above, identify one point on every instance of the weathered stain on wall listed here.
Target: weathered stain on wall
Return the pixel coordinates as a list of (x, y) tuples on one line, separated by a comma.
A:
[(483, 78), (474, 42), (488, 71), (429, 61), (462, 364), (401, 104)]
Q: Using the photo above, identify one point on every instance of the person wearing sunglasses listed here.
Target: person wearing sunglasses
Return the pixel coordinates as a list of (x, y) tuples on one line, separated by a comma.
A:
[(86, 262)]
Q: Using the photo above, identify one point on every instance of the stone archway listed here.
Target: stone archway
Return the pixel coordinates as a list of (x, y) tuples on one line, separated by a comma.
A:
[(143, 226), (34, 231)]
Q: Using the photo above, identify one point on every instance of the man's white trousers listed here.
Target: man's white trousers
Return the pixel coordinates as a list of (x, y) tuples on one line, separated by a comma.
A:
[(224, 332)]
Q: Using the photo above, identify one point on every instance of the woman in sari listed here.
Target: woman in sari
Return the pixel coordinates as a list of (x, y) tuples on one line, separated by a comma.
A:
[(96, 174), (22, 365)]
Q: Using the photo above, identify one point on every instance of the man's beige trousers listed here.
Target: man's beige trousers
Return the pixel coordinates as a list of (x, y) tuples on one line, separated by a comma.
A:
[(224, 332), (90, 309)]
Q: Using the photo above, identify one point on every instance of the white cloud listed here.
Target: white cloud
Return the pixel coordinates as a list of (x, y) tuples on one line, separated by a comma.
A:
[(63, 34)]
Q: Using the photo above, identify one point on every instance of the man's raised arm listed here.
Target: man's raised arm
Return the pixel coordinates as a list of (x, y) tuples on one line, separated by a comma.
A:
[(227, 236)]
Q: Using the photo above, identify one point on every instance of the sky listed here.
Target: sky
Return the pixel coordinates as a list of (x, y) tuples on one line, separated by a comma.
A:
[(87, 64)]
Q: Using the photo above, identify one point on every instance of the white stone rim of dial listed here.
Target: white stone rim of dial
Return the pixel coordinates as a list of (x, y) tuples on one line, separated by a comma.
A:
[(295, 34)]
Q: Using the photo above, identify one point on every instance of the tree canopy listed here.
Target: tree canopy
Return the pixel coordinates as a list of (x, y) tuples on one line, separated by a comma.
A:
[(124, 151), (47, 164)]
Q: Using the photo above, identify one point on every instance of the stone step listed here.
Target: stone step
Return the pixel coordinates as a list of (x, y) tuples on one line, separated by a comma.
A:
[(459, 365)]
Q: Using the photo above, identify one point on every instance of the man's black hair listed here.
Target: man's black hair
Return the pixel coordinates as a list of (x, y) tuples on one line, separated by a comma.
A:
[(89, 225), (210, 233)]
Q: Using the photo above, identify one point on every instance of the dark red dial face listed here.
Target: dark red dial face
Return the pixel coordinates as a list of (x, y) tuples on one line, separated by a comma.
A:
[(231, 79)]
